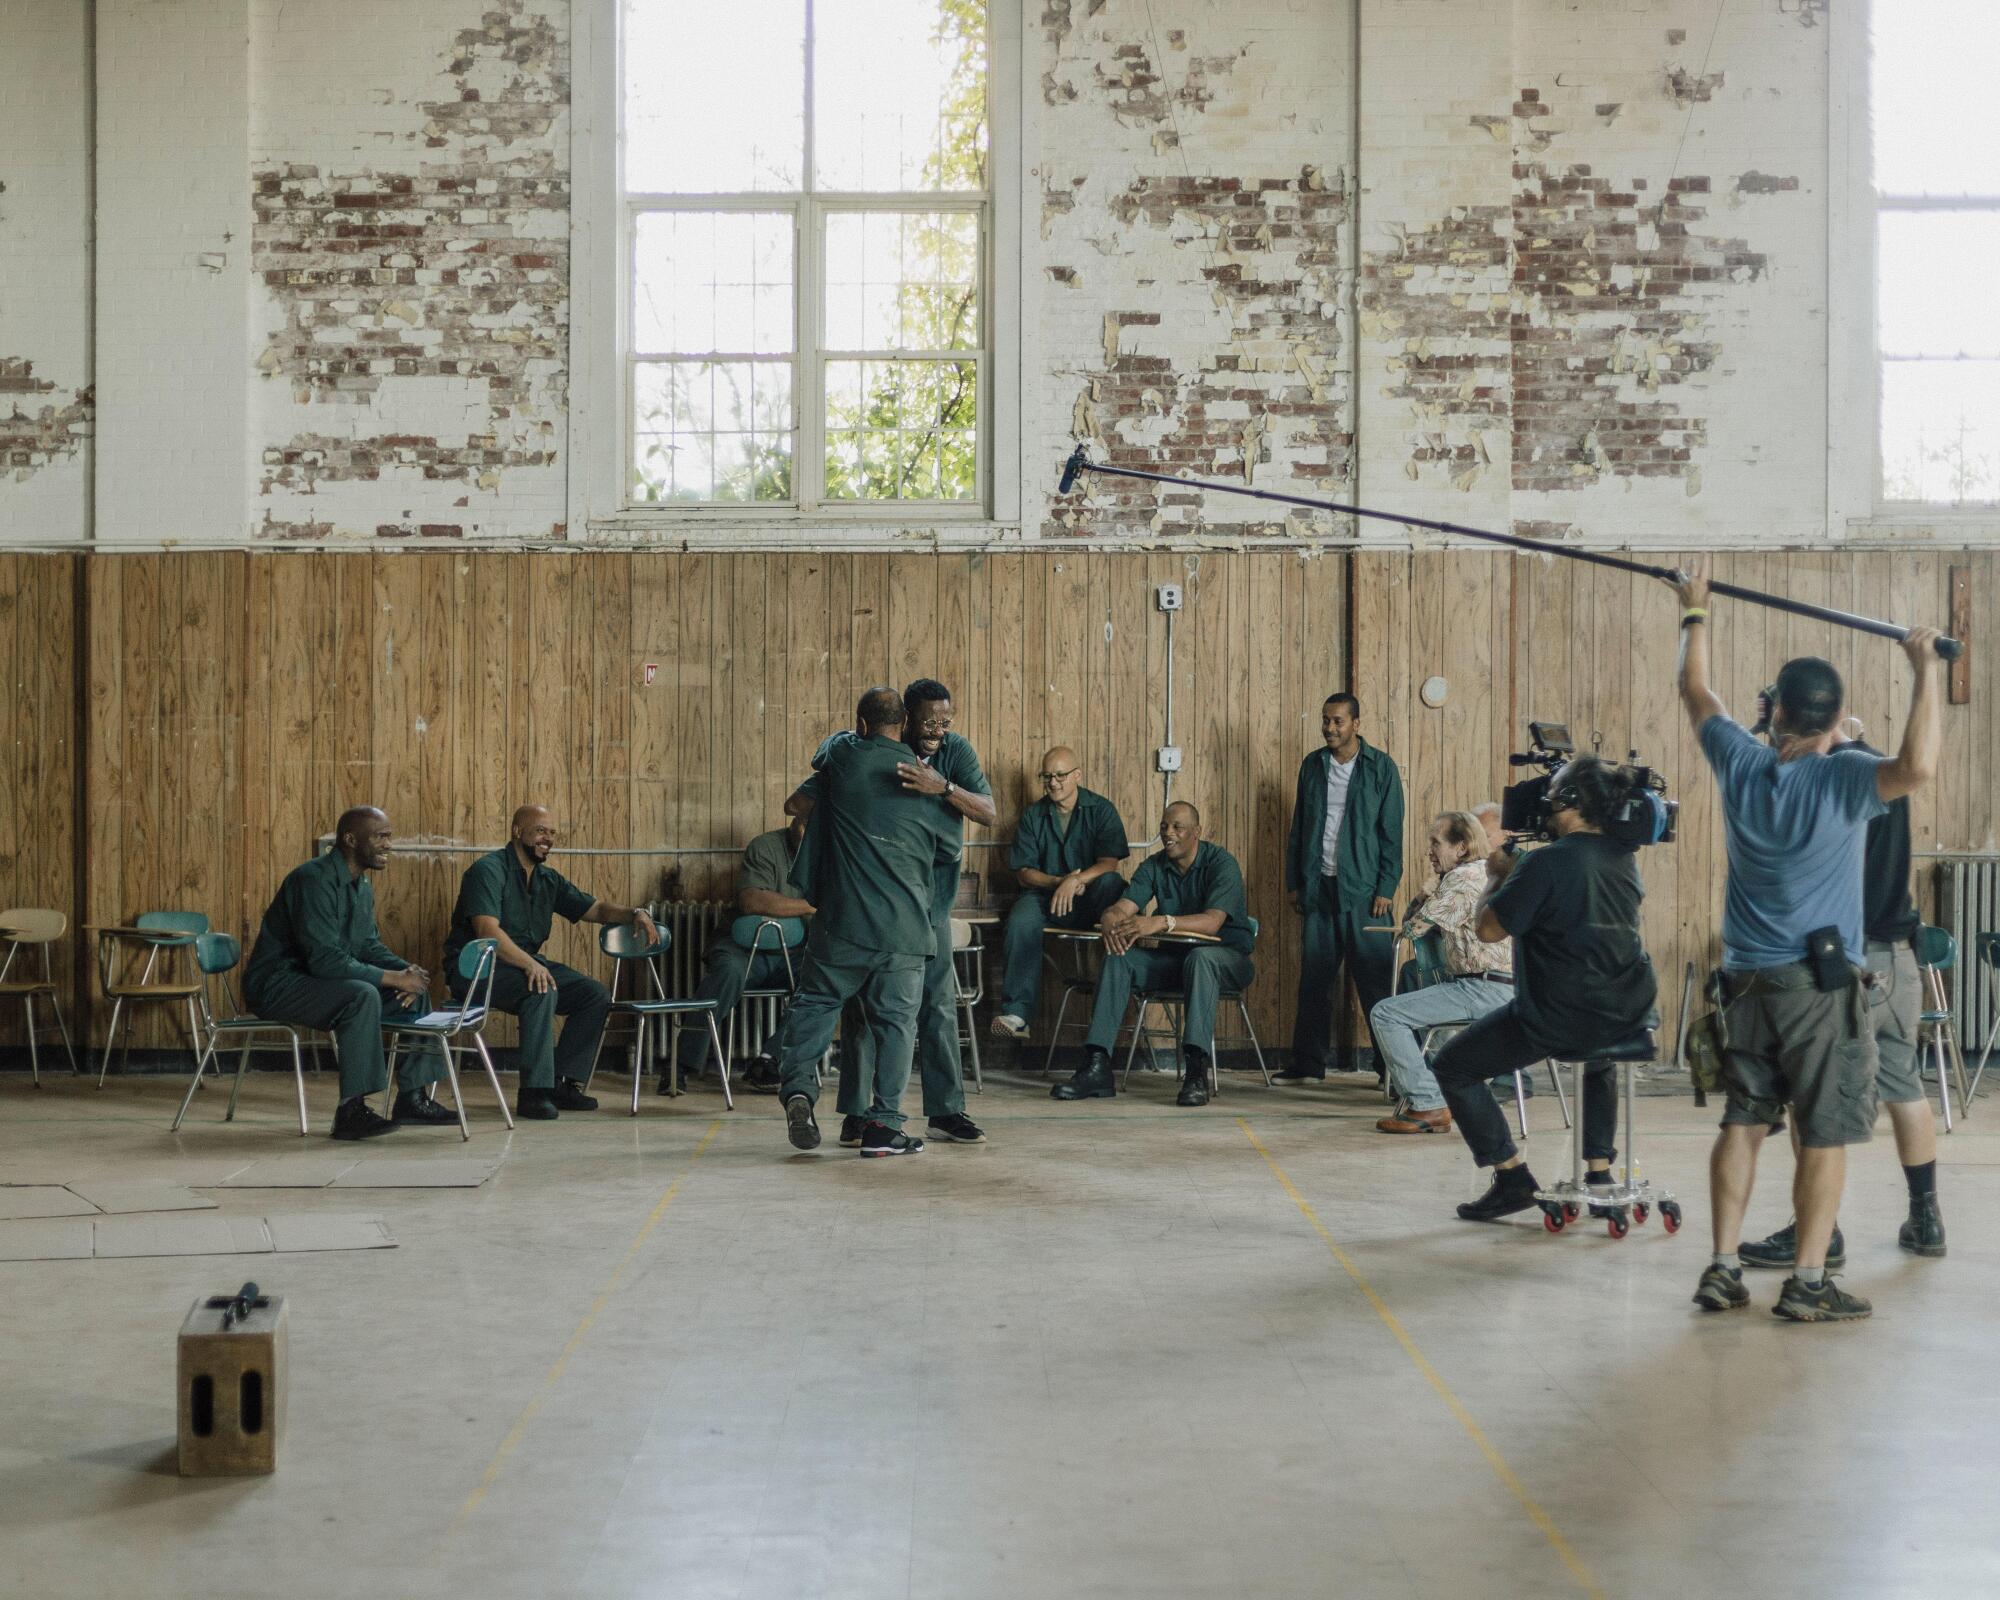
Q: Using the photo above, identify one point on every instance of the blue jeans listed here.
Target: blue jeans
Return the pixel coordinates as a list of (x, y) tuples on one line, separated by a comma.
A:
[(1396, 1022)]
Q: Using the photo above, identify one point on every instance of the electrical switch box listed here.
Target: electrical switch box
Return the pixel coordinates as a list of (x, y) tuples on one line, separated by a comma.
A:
[(1169, 758), (1168, 597)]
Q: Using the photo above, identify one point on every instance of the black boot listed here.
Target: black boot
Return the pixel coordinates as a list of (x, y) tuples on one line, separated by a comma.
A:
[(1094, 1080), (357, 1119), (1513, 1190), (1923, 1234), (417, 1105), (1194, 1080)]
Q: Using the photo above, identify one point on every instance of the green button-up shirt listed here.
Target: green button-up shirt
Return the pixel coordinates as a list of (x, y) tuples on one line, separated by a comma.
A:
[(1095, 832), (321, 925), (767, 862), (1212, 882), (493, 886)]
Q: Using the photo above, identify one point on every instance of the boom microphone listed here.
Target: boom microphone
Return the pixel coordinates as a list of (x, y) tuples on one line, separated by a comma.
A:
[(1076, 463)]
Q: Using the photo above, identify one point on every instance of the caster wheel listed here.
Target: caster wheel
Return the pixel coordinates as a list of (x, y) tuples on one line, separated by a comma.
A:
[(1670, 1217), (1639, 1215), (1617, 1226), (1553, 1221), (1572, 1212)]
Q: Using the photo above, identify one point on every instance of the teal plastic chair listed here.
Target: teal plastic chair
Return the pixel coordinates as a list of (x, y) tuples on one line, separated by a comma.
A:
[(457, 1028), (217, 954), (1987, 945), (1937, 1034), (626, 947), (158, 930), (759, 935), (1176, 1001)]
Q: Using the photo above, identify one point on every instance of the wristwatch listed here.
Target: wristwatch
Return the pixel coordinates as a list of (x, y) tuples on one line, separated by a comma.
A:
[(950, 788), (1170, 924)]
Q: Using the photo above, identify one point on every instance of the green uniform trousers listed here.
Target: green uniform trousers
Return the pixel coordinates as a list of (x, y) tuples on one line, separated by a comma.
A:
[(1333, 936), (1201, 973), (939, 1064), (544, 1057), (891, 988), (1021, 988), (352, 1010)]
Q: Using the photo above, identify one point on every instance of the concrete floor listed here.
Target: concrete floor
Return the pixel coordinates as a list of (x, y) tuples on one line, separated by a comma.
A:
[(1109, 1353)]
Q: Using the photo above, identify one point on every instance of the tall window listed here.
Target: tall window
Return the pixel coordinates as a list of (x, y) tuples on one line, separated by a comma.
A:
[(806, 211), (1937, 200)]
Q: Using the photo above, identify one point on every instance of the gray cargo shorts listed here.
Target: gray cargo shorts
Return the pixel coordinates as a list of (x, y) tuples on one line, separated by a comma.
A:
[(1790, 1045), (1898, 1078)]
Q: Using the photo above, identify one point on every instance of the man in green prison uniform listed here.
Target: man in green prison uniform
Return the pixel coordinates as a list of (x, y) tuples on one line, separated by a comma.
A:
[(511, 895), (319, 962), (1065, 857), (870, 869), (1193, 887), (947, 769)]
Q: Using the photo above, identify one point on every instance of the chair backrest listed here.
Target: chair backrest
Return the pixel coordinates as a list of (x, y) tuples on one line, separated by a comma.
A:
[(1428, 954), (1987, 944), (474, 957), (188, 925), (1936, 948), (217, 952), (623, 942), (755, 933), (32, 925)]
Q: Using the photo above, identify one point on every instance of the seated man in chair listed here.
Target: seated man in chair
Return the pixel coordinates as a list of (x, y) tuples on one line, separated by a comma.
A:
[(761, 891), (1194, 887), (1065, 857)]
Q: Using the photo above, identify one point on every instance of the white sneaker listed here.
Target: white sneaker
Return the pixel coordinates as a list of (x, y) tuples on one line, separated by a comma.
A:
[(1008, 1027)]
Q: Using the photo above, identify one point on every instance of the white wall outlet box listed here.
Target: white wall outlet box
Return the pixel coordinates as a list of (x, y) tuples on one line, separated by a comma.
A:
[(1168, 758), (1168, 596)]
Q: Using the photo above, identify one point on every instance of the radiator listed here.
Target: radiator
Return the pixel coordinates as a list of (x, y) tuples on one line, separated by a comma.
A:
[(689, 925), (1968, 904)]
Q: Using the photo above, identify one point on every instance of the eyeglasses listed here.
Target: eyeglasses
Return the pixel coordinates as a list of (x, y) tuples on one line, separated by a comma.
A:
[(1057, 777), (934, 724)]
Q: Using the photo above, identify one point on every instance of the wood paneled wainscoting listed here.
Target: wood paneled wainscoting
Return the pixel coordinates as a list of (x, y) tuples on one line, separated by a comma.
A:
[(231, 704)]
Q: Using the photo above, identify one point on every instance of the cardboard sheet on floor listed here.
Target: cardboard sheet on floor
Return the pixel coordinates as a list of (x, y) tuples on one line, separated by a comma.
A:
[(47, 1200), (117, 1197), (187, 1234), (444, 1172), (288, 1172)]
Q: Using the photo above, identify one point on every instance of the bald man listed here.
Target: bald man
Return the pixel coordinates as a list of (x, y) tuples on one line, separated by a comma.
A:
[(1066, 855), (511, 896), (318, 962)]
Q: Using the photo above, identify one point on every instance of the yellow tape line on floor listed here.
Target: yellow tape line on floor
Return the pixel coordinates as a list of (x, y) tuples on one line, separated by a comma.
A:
[(1506, 1474), (555, 1372)]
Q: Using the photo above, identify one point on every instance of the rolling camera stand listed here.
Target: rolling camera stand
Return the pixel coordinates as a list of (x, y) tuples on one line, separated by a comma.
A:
[(1627, 1199)]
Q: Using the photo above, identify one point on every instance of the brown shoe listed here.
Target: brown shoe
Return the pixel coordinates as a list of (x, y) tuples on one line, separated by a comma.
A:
[(1438, 1121)]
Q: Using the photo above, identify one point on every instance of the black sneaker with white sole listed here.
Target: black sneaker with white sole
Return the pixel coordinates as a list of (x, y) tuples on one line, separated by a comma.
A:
[(877, 1140), (1721, 1290), (1781, 1249), (956, 1127), (357, 1119), (800, 1126), (1824, 1301)]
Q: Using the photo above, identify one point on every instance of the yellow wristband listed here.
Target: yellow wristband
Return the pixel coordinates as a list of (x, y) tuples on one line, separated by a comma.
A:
[(1693, 614)]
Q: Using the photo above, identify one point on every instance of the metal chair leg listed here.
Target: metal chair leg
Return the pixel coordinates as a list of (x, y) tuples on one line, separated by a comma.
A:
[(69, 1049), (457, 1093), (1521, 1104), (972, 1044), (1055, 1036), (1562, 1099), (236, 1088), (34, 1055), (715, 1041), (299, 1076), (493, 1077), (110, 1040), (193, 1084), (1138, 1027), (1958, 1070), (389, 1069), (638, 1062), (1944, 1082), (1256, 1049)]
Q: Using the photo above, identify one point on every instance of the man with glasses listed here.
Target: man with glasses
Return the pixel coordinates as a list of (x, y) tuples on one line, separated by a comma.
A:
[(1065, 857)]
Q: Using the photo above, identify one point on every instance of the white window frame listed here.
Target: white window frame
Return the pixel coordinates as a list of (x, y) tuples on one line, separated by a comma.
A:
[(1856, 510), (602, 361)]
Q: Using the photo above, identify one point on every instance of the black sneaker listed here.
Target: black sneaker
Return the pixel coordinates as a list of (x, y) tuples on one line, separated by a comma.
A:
[(800, 1126), (536, 1105), (1923, 1234), (1194, 1081), (1825, 1302), (357, 1119), (1781, 1249), (877, 1140), (955, 1127), (1721, 1290), (1513, 1190), (569, 1096), (1094, 1080), (418, 1105), (850, 1133), (761, 1076)]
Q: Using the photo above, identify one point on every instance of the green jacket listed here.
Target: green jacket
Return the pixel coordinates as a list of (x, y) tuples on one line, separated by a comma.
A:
[(874, 850), (321, 925), (1370, 858), (1095, 831)]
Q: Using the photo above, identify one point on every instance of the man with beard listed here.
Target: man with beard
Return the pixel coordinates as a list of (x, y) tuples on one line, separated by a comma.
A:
[(319, 963), (511, 896)]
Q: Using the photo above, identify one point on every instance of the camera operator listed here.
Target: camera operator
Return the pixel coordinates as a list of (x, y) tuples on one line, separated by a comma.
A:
[(1796, 1033), (1583, 981)]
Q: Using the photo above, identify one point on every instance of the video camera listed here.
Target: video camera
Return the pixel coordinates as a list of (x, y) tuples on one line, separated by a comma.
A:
[(1646, 817)]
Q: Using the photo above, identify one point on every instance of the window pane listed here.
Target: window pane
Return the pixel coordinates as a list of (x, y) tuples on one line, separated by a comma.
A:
[(1935, 283), (899, 94), (902, 430), (1937, 119), (712, 431), (714, 101), (712, 281), (1941, 431), (902, 280)]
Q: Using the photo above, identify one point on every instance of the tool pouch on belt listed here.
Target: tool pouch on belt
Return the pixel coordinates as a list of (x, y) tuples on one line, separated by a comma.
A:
[(1708, 1037)]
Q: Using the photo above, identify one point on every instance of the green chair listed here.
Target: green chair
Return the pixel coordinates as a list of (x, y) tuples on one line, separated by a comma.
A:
[(1176, 1001), (216, 954), (1937, 954), (773, 934), (625, 945), (158, 931), (456, 1028)]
